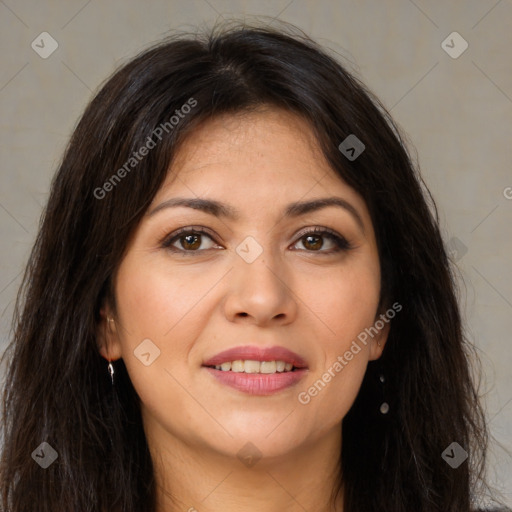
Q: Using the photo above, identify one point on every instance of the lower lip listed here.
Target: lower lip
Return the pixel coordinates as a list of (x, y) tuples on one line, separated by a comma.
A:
[(258, 383)]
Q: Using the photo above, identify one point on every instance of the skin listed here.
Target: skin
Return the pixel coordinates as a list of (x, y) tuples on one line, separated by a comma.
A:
[(196, 305)]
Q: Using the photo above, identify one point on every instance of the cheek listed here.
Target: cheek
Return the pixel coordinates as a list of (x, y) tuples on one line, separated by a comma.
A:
[(154, 304), (350, 305), (156, 300), (162, 305)]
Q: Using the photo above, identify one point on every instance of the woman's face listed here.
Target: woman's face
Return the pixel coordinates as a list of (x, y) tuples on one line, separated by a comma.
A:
[(252, 281)]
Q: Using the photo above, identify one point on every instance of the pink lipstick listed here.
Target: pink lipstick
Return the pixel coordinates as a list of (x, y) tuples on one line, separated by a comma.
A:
[(257, 370)]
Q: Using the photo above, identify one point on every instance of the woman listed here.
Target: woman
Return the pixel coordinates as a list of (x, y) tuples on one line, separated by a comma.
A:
[(239, 299)]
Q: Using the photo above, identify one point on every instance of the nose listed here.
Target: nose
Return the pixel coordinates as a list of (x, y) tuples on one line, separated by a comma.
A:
[(261, 292)]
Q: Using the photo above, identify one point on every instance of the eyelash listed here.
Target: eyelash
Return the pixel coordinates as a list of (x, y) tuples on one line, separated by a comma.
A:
[(340, 242)]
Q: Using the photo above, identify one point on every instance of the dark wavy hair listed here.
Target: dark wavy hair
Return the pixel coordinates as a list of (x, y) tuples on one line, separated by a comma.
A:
[(57, 387)]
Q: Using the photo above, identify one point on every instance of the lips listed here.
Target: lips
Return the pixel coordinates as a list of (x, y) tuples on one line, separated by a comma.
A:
[(257, 354), (257, 383)]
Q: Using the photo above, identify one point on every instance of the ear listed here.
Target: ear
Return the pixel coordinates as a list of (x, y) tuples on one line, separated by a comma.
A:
[(107, 336), (379, 340)]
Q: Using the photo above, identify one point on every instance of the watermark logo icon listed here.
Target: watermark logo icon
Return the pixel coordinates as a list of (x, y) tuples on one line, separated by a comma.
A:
[(44, 45), (454, 455), (249, 455), (456, 249), (249, 249), (454, 45), (45, 455), (351, 147), (147, 352)]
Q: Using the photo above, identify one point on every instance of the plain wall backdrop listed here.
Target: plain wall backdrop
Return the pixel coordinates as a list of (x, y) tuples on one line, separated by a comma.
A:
[(454, 103)]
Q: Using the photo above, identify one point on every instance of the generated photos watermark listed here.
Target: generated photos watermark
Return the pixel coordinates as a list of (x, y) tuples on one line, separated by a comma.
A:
[(137, 156), (304, 397)]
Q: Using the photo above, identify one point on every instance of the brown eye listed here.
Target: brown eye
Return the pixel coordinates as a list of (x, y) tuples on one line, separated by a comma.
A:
[(188, 240), (314, 241)]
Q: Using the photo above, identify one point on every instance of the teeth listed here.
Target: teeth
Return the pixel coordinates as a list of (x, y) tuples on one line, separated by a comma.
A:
[(251, 366), (225, 367), (268, 367), (237, 366)]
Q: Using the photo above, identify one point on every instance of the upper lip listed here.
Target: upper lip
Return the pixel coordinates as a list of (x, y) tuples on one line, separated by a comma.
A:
[(254, 353)]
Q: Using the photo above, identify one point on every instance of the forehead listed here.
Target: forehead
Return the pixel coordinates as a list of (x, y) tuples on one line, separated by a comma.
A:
[(267, 148), (249, 133)]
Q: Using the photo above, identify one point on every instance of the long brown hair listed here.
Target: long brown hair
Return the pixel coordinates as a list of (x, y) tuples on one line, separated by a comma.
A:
[(57, 387)]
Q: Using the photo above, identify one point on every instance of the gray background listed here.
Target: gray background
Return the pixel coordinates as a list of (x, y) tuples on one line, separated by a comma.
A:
[(456, 111)]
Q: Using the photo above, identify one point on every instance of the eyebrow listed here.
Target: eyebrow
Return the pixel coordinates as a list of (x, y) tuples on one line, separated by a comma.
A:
[(293, 210)]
